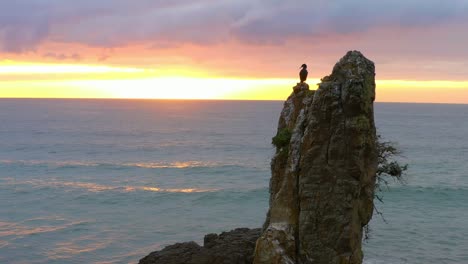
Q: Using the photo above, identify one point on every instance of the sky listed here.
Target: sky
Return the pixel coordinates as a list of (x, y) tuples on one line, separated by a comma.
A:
[(229, 49)]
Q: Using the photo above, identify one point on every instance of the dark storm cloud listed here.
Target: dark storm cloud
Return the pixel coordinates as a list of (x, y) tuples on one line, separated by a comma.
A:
[(24, 24)]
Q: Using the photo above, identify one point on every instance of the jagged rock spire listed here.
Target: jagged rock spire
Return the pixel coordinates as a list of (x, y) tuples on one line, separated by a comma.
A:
[(321, 190)]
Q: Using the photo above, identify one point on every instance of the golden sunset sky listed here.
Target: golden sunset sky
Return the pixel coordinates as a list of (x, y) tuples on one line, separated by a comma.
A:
[(228, 49)]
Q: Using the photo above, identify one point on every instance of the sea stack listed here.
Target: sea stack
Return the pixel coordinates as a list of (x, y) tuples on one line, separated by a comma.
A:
[(323, 172), (322, 183)]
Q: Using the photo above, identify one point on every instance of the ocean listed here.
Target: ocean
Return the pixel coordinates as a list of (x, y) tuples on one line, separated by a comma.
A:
[(109, 181)]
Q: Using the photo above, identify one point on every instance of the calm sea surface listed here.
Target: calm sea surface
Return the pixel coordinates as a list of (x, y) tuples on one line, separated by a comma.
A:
[(109, 181)]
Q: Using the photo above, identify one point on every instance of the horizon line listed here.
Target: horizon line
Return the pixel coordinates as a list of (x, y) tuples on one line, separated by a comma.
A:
[(193, 99)]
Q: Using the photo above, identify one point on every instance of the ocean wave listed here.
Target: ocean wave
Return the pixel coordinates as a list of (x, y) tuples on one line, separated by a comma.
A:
[(411, 189), (377, 261), (240, 196), (23, 229), (3, 244), (95, 187), (145, 165), (76, 246)]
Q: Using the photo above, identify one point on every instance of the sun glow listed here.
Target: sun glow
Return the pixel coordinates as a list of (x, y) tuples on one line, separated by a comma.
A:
[(36, 80), (435, 91), (188, 88), (28, 80)]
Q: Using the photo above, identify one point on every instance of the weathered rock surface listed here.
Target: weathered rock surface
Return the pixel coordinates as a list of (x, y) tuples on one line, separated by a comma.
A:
[(322, 185), (233, 247)]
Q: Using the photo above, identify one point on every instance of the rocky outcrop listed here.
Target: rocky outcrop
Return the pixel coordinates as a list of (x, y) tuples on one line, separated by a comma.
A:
[(323, 173), (322, 184), (233, 247)]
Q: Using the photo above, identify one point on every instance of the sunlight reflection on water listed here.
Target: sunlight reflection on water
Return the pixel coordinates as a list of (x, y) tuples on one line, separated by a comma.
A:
[(94, 187), (149, 165)]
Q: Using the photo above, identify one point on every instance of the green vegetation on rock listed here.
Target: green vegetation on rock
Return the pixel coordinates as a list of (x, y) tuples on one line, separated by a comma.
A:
[(388, 167), (387, 164), (281, 139)]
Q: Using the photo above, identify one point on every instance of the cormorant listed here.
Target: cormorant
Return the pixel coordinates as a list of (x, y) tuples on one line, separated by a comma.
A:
[(303, 73)]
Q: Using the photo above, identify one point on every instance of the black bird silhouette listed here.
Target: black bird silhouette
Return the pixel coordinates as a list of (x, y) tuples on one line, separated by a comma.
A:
[(303, 73)]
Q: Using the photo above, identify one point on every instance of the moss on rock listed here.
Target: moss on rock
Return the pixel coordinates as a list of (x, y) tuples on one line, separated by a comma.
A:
[(281, 139)]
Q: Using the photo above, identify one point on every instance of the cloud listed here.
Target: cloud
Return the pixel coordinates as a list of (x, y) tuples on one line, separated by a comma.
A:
[(19, 37), (25, 24), (319, 18), (62, 56), (103, 57)]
